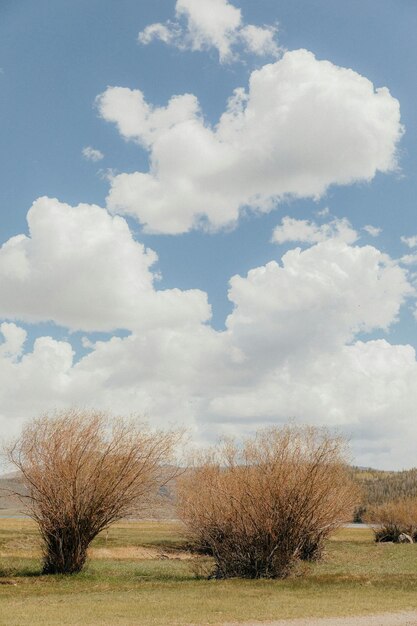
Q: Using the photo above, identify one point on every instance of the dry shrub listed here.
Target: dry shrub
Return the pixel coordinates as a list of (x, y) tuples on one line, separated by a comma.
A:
[(84, 471), (392, 519), (260, 508)]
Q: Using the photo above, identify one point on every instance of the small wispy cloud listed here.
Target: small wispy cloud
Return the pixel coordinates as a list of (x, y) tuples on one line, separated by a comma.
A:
[(411, 242), (91, 154), (374, 231), (303, 231), (323, 212), (107, 173), (409, 259)]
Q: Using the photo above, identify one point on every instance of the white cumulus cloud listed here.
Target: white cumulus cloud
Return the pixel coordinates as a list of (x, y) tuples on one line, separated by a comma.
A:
[(302, 126), (260, 40), (290, 347), (305, 231), (81, 268), (318, 299), (218, 24)]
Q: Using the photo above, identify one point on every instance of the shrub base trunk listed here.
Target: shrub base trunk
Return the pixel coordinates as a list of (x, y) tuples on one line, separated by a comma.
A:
[(64, 553)]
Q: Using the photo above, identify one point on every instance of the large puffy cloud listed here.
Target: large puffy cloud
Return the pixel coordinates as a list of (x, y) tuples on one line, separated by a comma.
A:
[(315, 302), (367, 390), (296, 326), (164, 374), (81, 268), (38, 381), (136, 119), (303, 125), (206, 24), (290, 349)]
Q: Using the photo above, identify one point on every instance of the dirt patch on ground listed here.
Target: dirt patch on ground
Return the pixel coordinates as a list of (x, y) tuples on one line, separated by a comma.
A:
[(384, 619), (140, 553)]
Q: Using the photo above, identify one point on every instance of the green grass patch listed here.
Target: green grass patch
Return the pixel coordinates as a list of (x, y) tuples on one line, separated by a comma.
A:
[(157, 534), (118, 587)]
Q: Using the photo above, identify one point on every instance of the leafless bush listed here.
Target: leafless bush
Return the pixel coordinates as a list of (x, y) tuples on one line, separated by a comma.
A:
[(83, 472), (392, 519), (261, 508)]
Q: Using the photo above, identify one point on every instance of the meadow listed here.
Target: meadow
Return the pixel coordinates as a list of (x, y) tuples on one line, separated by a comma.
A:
[(140, 573)]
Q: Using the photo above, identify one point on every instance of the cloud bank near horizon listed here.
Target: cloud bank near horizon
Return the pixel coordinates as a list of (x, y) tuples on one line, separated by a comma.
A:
[(293, 346)]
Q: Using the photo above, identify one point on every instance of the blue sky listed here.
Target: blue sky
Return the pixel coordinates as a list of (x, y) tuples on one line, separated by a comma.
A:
[(56, 59)]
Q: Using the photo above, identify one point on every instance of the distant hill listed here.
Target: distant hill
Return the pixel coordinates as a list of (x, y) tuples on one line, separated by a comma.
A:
[(377, 487), (380, 486), (10, 505), (162, 508)]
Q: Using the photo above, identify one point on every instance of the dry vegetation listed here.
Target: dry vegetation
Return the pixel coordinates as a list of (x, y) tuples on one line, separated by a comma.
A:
[(266, 509), (261, 508), (83, 472), (394, 521)]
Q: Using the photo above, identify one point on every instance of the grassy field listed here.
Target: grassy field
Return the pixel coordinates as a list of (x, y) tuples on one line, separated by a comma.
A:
[(139, 575)]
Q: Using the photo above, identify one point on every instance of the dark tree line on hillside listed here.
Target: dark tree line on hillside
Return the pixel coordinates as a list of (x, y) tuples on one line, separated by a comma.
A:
[(379, 487)]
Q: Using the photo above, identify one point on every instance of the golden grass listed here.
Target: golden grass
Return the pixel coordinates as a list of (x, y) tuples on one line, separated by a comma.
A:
[(123, 588)]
